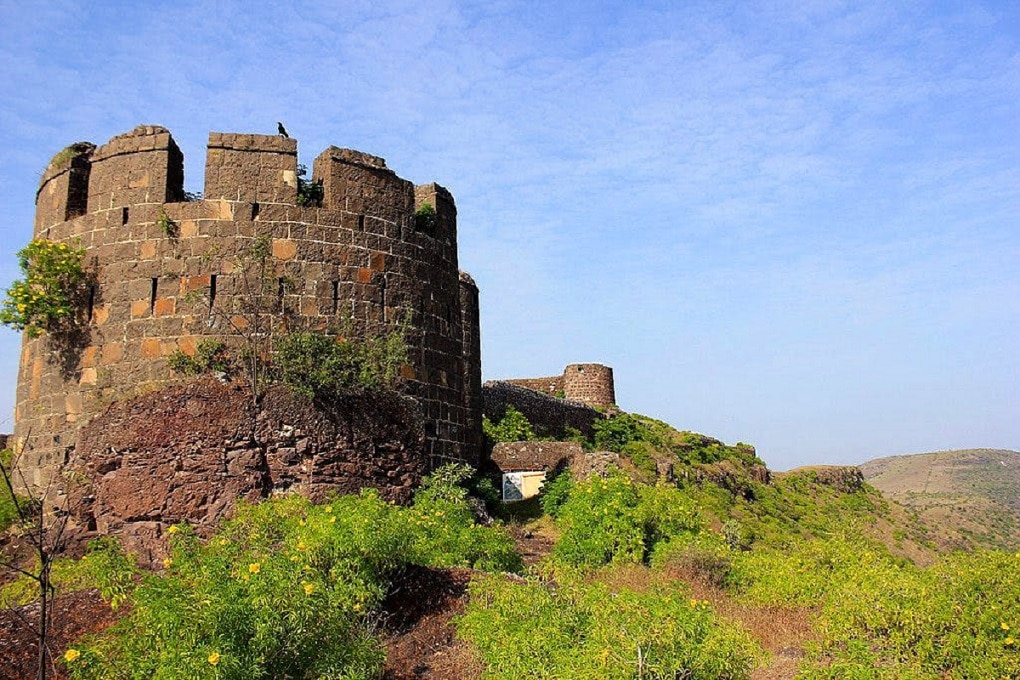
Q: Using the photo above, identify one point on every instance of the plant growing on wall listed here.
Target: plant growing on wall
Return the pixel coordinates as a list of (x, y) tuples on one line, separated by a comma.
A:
[(512, 427), (321, 366), (211, 356), (169, 228), (309, 192), (425, 218), (47, 297)]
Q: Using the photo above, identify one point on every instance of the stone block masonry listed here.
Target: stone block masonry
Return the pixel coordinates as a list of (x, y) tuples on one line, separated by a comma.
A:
[(590, 384), (548, 415), (166, 277)]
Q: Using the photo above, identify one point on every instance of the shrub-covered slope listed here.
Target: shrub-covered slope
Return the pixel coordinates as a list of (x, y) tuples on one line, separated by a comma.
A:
[(970, 498)]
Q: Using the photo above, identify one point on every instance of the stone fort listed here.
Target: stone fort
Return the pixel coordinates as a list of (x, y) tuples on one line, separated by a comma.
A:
[(164, 275)]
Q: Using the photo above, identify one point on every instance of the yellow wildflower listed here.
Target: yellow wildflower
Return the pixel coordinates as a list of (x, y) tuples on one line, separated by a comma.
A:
[(332, 519), (214, 658), (329, 508), (309, 587), (71, 655), (172, 530), (1009, 642), (254, 568), (1004, 625), (167, 563)]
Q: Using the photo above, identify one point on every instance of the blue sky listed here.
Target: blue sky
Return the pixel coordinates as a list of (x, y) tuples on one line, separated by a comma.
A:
[(791, 224)]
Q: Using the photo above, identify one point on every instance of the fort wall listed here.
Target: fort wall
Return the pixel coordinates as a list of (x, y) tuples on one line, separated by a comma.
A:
[(549, 416), (166, 276), (590, 384)]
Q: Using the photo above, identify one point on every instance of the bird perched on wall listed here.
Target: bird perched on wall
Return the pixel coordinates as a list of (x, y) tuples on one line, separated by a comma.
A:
[(282, 130)]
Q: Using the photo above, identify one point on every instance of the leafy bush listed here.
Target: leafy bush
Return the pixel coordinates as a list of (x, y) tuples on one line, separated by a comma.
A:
[(555, 493), (958, 619), (444, 531), (9, 502), (807, 573), (48, 296), (425, 218), (309, 193), (210, 355), (321, 365), (703, 556), (586, 630), (104, 566), (616, 520), (284, 589), (512, 427)]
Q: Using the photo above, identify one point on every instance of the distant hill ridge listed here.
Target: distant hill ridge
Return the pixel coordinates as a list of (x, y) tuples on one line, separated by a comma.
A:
[(971, 497)]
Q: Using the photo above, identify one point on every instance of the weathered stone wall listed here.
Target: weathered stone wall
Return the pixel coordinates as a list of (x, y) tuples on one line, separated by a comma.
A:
[(166, 276), (526, 456), (189, 452), (140, 167), (590, 384), (64, 189), (251, 168), (553, 385), (549, 416), (472, 343)]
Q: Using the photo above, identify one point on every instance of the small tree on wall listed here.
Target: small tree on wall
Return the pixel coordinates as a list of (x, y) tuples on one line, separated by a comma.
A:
[(49, 295), (320, 364)]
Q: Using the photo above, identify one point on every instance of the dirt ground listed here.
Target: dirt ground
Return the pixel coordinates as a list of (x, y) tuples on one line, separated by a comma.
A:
[(73, 615)]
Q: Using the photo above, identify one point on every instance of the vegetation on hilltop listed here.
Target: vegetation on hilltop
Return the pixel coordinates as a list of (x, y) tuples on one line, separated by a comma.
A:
[(688, 575)]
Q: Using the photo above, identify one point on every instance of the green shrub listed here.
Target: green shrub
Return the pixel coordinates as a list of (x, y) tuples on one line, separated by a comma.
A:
[(614, 519), (49, 295), (211, 355), (309, 193), (585, 630), (555, 493), (808, 572), (444, 530), (9, 502), (702, 556), (957, 619), (613, 434), (285, 589), (322, 366), (512, 427), (425, 219)]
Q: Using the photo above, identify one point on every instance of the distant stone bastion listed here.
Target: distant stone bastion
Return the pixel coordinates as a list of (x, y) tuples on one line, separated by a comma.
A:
[(165, 276), (555, 405)]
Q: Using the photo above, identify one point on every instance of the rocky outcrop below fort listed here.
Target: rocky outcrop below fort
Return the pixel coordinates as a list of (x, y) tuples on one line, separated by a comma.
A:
[(191, 452)]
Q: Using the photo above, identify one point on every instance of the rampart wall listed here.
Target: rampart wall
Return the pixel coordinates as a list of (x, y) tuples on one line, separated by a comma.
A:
[(549, 416), (166, 276), (590, 384)]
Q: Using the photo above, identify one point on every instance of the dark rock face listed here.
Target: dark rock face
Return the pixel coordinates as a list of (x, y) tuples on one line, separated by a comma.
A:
[(190, 452), (843, 478)]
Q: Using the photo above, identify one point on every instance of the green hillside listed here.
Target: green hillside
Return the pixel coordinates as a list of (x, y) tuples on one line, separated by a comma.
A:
[(690, 559), (969, 498)]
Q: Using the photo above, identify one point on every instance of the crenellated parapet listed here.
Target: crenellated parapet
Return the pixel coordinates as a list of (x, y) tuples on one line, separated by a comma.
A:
[(251, 168), (166, 275)]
